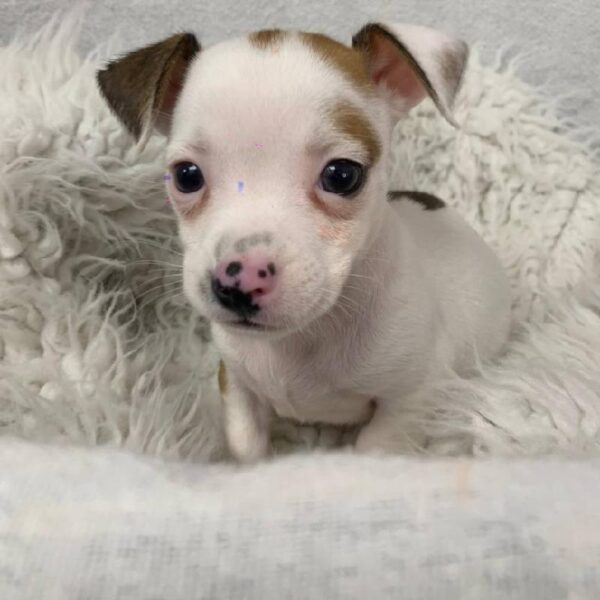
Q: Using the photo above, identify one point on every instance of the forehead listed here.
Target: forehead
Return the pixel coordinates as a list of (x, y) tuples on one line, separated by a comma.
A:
[(270, 54), (327, 51), (274, 79)]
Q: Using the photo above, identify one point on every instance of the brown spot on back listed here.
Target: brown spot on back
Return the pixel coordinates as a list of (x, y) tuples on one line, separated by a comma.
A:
[(427, 201), (267, 39), (351, 121), (222, 377), (347, 60)]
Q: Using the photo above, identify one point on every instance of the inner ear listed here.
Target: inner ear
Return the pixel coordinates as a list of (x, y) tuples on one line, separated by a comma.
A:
[(401, 74), (142, 87), (413, 62)]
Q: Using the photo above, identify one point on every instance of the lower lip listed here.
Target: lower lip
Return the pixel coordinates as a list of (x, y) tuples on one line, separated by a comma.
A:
[(248, 325)]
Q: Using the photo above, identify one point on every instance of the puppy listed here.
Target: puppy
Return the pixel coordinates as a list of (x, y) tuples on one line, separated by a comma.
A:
[(331, 299)]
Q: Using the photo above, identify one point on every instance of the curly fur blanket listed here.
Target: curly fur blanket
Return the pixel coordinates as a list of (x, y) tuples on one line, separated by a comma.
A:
[(97, 342)]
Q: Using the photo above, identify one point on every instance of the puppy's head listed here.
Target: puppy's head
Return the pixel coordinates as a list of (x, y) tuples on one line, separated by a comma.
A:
[(277, 154)]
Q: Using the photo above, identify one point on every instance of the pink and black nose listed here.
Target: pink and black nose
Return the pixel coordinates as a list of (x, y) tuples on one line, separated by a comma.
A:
[(245, 283)]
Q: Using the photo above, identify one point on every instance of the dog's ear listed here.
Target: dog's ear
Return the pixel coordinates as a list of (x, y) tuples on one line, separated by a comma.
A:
[(413, 62), (142, 87)]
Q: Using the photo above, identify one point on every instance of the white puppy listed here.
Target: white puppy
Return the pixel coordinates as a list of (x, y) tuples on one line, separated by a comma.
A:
[(331, 299)]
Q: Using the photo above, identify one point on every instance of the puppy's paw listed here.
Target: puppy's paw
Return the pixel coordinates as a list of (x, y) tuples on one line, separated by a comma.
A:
[(387, 435), (246, 444)]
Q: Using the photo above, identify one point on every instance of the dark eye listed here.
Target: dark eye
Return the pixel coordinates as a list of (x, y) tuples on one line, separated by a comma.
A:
[(188, 177), (342, 177)]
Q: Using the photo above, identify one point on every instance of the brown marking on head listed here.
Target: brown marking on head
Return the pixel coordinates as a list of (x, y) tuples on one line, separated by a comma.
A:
[(222, 377), (141, 87), (347, 60), (267, 39), (352, 122)]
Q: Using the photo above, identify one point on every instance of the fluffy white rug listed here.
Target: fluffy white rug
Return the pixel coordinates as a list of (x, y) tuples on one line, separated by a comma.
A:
[(98, 345)]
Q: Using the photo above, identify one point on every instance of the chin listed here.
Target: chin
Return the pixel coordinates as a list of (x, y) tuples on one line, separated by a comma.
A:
[(250, 329)]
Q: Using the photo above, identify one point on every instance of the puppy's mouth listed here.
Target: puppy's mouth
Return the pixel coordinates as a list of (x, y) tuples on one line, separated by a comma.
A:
[(249, 325)]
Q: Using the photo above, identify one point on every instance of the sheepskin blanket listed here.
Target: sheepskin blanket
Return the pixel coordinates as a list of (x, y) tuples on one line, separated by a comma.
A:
[(99, 346)]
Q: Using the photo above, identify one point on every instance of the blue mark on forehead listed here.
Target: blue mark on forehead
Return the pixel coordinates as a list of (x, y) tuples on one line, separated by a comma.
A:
[(240, 186), (166, 177)]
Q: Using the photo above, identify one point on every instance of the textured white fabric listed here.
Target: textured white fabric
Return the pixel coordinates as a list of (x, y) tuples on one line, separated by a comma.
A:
[(73, 526), (98, 346)]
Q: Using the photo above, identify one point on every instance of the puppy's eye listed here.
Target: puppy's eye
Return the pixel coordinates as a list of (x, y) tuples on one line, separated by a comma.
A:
[(188, 177), (342, 177)]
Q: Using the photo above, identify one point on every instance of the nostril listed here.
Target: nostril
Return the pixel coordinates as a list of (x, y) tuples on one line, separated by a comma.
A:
[(262, 273), (234, 299), (233, 268)]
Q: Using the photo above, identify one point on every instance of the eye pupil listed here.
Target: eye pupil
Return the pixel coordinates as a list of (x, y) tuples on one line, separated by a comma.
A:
[(188, 177), (342, 177)]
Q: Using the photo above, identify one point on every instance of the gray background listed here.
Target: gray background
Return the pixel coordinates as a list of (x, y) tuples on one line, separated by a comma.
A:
[(561, 39)]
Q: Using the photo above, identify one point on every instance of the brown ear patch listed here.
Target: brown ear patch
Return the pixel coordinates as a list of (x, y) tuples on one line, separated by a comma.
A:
[(142, 86), (452, 67), (347, 60), (352, 122), (267, 39)]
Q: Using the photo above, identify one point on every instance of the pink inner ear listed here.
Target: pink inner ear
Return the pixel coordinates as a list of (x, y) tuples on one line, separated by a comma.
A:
[(166, 102), (170, 96), (392, 68)]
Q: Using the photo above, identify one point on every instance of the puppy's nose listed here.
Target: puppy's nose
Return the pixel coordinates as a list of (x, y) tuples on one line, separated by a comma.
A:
[(244, 284)]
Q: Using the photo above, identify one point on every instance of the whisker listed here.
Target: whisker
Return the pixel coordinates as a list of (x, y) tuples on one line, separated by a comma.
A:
[(170, 288), (153, 262)]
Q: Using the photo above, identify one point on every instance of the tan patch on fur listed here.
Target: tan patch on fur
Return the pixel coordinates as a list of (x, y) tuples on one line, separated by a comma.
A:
[(267, 39), (193, 211), (347, 60), (222, 377), (344, 212), (351, 121), (334, 231)]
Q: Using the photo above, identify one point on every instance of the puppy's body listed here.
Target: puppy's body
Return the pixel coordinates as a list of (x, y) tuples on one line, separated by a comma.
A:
[(427, 298), (328, 301)]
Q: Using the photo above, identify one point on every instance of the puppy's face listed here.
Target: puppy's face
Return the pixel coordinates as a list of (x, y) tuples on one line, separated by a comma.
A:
[(277, 165)]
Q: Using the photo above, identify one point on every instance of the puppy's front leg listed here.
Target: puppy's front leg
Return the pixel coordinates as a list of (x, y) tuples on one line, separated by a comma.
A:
[(247, 421), (390, 431)]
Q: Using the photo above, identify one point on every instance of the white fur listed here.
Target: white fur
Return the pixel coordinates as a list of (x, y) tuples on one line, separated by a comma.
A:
[(400, 299), (83, 208)]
